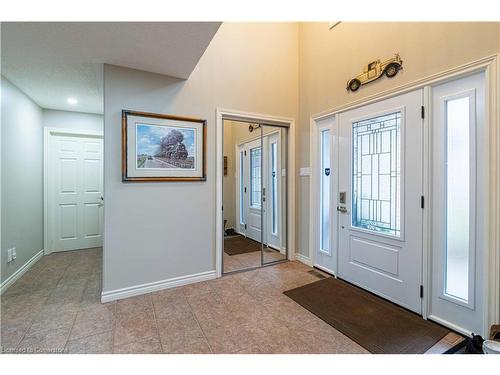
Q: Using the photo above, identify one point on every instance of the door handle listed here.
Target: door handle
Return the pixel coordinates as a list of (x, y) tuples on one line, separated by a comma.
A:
[(342, 209)]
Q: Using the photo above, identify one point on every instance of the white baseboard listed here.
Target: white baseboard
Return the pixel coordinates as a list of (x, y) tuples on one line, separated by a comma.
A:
[(21, 271), (113, 295), (303, 259)]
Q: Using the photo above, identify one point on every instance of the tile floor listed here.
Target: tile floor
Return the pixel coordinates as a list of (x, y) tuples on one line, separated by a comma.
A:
[(249, 260), (55, 308)]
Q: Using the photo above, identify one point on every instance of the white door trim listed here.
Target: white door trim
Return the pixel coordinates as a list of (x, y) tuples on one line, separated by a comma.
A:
[(47, 133), (235, 115), (491, 66)]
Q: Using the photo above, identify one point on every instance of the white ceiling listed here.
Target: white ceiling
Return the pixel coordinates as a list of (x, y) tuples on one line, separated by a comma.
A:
[(53, 61)]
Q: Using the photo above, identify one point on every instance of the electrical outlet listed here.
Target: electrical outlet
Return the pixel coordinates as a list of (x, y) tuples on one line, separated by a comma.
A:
[(9, 255), (14, 254)]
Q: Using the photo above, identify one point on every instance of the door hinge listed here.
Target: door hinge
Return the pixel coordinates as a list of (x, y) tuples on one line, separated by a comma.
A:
[(245, 189), (421, 291), (422, 111), (245, 227), (421, 201), (222, 208), (245, 152)]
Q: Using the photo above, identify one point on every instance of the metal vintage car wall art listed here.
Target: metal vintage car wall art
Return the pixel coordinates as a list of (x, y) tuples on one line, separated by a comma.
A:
[(375, 70)]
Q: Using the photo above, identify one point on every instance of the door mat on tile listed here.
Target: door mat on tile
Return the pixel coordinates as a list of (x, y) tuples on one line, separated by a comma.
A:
[(379, 326), (235, 245)]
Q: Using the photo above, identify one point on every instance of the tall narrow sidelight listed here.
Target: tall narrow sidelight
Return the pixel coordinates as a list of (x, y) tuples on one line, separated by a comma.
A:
[(457, 169), (325, 192)]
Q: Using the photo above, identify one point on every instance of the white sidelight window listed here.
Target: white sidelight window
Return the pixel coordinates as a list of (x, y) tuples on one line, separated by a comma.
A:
[(325, 192), (458, 197)]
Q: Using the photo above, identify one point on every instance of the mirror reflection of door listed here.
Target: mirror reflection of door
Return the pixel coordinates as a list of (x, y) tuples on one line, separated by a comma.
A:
[(274, 185), (254, 195)]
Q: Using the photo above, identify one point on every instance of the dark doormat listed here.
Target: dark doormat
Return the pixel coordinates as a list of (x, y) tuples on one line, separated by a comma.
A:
[(379, 326), (240, 245)]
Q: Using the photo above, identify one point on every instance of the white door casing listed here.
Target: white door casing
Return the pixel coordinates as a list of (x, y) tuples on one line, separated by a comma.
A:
[(380, 245), (459, 187), (74, 188)]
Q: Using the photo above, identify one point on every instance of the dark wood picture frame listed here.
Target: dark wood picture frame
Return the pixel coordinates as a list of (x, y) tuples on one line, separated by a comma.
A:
[(126, 178)]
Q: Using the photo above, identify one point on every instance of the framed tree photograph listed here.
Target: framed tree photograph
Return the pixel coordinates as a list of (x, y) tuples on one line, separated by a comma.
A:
[(157, 147)]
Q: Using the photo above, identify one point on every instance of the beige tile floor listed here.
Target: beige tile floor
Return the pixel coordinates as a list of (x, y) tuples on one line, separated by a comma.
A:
[(55, 307), (249, 260)]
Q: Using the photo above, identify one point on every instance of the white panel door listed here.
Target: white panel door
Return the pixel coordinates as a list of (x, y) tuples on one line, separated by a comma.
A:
[(380, 225), (75, 174), (459, 187), (326, 180), (253, 178)]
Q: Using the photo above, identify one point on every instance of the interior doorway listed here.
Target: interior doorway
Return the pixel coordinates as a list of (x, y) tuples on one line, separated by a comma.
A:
[(255, 194), (73, 181)]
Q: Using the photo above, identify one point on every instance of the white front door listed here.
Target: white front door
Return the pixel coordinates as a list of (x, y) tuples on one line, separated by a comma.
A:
[(459, 189), (380, 173), (74, 192), (253, 181), (327, 175)]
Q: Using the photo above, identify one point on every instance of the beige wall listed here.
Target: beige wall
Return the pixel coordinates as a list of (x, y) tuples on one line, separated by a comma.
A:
[(158, 231), (329, 58), (72, 120), (22, 177)]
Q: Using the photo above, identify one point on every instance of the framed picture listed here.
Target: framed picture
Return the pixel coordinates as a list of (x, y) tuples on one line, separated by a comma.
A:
[(159, 147)]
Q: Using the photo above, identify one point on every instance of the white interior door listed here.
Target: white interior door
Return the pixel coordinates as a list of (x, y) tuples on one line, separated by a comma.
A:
[(326, 179), (380, 172), (75, 174), (253, 179), (459, 189)]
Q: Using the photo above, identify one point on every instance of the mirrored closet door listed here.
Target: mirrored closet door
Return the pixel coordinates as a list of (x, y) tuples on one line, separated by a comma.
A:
[(254, 195)]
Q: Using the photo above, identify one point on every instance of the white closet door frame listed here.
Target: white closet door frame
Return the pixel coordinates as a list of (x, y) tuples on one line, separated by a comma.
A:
[(48, 132), (237, 115)]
